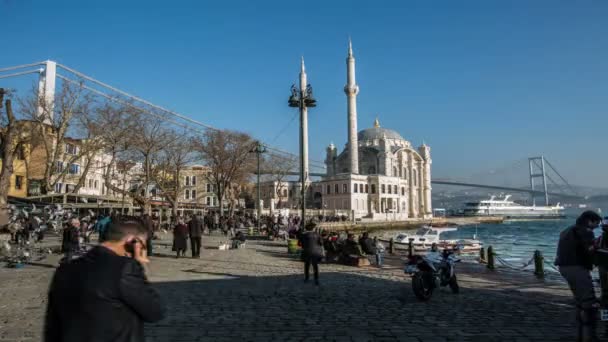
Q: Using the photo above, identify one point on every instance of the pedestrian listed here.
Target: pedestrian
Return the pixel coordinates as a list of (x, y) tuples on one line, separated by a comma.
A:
[(105, 295), (379, 252), (180, 238), (602, 262), (575, 257), (149, 225), (312, 251), (195, 228), (69, 241)]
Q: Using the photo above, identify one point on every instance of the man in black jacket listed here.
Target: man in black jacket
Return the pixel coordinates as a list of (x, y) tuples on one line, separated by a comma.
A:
[(575, 253), (195, 228), (104, 296), (312, 251)]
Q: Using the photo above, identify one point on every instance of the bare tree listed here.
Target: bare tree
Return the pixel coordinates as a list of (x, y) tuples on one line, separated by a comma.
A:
[(9, 136), (176, 156), (51, 121), (227, 154), (278, 168)]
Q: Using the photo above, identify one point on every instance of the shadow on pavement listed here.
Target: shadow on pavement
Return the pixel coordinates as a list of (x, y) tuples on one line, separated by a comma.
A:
[(345, 306)]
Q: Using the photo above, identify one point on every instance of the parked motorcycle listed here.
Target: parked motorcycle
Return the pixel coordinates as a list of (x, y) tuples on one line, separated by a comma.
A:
[(431, 271)]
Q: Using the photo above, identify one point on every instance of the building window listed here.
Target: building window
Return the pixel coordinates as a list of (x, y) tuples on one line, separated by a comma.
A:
[(383, 188), (208, 187), (395, 190), (71, 149), (337, 188), (284, 192), (20, 153), (90, 183), (373, 188), (74, 169), (405, 173), (193, 194), (187, 194), (96, 184), (415, 176), (214, 201), (394, 171), (187, 180), (344, 188), (390, 191), (402, 191), (355, 188), (291, 191), (366, 188), (18, 182), (328, 189), (361, 188), (59, 166), (193, 180), (208, 201)]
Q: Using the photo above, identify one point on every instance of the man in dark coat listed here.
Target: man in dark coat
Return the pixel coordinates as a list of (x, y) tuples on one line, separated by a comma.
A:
[(69, 241), (195, 228), (104, 296), (312, 251), (575, 256)]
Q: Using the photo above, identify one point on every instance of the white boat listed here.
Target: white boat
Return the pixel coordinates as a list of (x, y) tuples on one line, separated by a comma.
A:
[(426, 236), (509, 209)]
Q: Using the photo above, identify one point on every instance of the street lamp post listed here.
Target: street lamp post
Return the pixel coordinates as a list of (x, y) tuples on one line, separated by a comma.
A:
[(302, 99), (258, 149)]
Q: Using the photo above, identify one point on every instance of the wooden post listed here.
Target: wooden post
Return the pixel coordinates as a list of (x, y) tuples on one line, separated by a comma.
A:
[(482, 256), (410, 249), (539, 264), (391, 246), (491, 255)]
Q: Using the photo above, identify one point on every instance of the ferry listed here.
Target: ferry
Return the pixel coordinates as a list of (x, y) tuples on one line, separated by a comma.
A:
[(512, 210)]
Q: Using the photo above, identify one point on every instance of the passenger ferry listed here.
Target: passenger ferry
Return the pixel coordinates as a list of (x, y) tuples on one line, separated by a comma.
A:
[(509, 209)]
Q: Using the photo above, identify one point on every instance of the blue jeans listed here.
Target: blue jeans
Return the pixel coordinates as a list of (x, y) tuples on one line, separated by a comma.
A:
[(379, 258)]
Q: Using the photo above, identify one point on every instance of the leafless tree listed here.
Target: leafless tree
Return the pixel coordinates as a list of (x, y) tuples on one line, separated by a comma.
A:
[(9, 144), (278, 168), (51, 121), (176, 156), (227, 154)]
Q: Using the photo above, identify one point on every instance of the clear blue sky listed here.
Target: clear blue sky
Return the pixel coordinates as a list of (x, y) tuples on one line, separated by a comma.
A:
[(482, 82)]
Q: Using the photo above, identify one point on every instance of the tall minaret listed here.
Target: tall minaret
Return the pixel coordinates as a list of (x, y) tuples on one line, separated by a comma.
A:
[(304, 125), (352, 89)]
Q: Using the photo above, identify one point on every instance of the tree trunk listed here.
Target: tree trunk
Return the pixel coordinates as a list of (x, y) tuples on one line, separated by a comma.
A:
[(8, 151)]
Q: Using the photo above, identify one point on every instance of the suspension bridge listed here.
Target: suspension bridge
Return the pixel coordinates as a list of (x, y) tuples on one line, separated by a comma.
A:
[(544, 180)]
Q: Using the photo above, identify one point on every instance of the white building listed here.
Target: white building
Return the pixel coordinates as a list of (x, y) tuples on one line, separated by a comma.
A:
[(379, 175)]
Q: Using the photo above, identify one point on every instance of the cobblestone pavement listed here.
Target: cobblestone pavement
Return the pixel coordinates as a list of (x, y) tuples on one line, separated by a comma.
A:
[(257, 294)]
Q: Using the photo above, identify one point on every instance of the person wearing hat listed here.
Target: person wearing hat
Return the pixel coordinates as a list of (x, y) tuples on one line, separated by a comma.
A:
[(312, 251), (575, 258)]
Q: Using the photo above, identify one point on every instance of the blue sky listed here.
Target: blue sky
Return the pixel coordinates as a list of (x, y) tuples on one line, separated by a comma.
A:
[(482, 82)]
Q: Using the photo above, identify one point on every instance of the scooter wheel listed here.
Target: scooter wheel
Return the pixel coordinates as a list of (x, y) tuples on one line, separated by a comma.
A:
[(423, 288)]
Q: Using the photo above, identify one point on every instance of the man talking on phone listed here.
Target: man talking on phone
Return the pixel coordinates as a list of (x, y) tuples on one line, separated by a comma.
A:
[(104, 295)]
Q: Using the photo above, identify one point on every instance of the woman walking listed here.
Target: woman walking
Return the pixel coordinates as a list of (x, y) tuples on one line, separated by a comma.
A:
[(312, 252), (180, 238)]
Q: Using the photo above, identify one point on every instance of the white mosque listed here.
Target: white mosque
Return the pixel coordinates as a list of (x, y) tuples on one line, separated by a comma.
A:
[(379, 175)]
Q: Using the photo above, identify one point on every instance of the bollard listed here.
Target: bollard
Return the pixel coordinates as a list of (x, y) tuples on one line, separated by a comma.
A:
[(539, 264), (391, 246), (491, 255), (482, 256), (410, 249)]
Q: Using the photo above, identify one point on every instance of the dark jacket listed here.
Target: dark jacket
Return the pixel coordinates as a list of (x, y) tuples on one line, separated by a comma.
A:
[(69, 239), (573, 248), (180, 237), (100, 297), (312, 246), (195, 227), (368, 246)]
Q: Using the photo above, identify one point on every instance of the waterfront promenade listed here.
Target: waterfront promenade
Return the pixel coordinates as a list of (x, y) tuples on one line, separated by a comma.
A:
[(257, 294)]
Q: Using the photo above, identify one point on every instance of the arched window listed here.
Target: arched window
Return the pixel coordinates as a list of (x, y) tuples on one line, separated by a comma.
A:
[(355, 188), (328, 189), (366, 188), (402, 191), (361, 188), (373, 188), (337, 188), (187, 180), (383, 187), (415, 176), (344, 188), (394, 171), (395, 190), (187, 194)]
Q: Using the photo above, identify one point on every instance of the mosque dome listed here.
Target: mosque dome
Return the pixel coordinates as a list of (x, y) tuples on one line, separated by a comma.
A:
[(378, 132)]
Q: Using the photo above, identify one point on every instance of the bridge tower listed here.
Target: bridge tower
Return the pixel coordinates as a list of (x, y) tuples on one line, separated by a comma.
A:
[(46, 90), (537, 170)]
